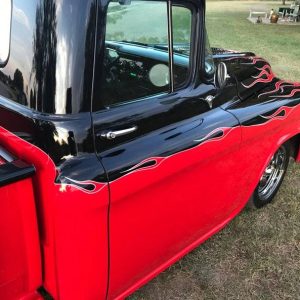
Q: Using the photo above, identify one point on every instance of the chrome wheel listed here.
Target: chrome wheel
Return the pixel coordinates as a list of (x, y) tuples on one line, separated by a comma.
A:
[(273, 175)]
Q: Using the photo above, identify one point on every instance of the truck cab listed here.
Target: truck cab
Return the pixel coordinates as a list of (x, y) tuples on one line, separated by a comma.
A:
[(123, 137)]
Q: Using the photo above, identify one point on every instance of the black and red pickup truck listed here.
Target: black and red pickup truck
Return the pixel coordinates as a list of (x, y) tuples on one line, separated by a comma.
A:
[(126, 141)]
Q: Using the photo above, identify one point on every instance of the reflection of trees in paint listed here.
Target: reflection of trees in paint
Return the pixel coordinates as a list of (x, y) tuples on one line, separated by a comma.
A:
[(44, 60), (13, 89), (18, 85), (18, 80), (32, 99)]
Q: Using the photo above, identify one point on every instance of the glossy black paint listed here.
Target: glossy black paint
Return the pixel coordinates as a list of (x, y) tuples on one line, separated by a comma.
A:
[(168, 136), (50, 68), (50, 73), (167, 123), (67, 139)]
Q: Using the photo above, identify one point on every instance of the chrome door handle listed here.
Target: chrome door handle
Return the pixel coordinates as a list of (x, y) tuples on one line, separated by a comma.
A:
[(111, 135)]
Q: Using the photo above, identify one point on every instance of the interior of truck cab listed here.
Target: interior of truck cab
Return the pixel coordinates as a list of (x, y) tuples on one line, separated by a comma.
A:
[(133, 71)]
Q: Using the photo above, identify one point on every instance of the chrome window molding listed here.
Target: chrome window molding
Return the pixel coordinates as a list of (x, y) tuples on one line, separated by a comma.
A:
[(5, 27)]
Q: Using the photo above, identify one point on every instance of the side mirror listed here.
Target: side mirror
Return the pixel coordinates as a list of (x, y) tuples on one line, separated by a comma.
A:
[(221, 75), (5, 24)]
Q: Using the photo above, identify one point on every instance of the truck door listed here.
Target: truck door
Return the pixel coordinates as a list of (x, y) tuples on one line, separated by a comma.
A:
[(166, 144)]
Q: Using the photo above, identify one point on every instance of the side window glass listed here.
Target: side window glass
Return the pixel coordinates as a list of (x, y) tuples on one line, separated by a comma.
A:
[(182, 31), (136, 63), (136, 51), (5, 23)]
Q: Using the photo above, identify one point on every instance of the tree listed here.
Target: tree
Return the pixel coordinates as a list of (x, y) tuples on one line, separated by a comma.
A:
[(18, 80)]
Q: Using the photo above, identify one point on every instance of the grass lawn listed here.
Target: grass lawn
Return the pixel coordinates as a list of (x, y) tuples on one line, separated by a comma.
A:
[(258, 255), (229, 28)]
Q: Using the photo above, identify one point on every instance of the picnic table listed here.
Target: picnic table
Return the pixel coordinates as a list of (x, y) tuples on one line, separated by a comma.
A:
[(293, 13), (285, 11)]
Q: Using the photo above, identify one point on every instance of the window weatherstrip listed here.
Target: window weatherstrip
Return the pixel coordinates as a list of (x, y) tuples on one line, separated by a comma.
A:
[(170, 45)]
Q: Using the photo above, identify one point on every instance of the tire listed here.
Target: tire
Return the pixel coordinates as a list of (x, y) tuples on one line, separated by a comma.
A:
[(272, 178)]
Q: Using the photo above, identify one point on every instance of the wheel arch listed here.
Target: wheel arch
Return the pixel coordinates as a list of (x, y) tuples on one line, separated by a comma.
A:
[(294, 144), (294, 140), (295, 151)]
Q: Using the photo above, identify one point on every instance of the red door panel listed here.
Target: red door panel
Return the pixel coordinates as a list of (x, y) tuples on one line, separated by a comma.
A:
[(160, 213)]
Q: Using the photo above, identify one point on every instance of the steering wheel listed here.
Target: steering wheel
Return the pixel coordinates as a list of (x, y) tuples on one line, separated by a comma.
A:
[(111, 58), (111, 65)]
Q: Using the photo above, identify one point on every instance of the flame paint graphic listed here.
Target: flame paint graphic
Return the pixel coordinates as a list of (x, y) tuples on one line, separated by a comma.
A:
[(147, 164), (281, 114), (82, 186), (292, 94), (215, 135), (154, 162), (278, 87), (265, 76)]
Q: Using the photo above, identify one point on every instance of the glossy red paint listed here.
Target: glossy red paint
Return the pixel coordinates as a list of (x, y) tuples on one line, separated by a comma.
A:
[(74, 232), (20, 259), (177, 219), (33, 296), (170, 208), (274, 133), (167, 213)]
